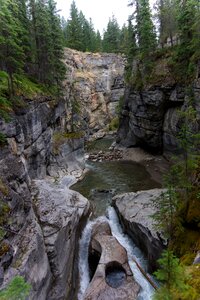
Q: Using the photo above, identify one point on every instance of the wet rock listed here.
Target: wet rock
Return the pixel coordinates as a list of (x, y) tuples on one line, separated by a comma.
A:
[(135, 211), (113, 278), (60, 212)]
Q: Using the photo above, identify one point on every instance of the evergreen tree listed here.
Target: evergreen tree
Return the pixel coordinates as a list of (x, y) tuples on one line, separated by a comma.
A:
[(189, 32), (173, 278), (111, 37), (131, 50), (11, 49), (145, 30), (98, 42), (124, 39), (55, 52), (74, 29), (167, 18), (24, 34)]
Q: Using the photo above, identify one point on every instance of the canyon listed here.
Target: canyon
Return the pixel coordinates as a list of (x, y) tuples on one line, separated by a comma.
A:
[(41, 160)]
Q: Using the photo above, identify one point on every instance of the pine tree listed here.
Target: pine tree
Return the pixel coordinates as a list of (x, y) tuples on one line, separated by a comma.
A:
[(11, 49), (167, 18), (98, 42), (131, 50), (55, 52), (189, 32), (111, 36), (173, 278), (74, 29), (24, 35), (145, 30)]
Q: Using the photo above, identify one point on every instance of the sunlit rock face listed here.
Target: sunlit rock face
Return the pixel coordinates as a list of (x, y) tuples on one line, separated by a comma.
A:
[(95, 83)]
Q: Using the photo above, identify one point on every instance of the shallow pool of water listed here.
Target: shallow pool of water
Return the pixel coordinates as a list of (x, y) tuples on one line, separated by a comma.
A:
[(105, 179)]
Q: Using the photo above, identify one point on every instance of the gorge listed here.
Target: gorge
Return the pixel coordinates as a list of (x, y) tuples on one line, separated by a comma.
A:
[(41, 160)]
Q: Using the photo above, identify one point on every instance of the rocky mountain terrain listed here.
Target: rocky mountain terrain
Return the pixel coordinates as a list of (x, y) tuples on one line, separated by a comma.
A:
[(40, 218), (94, 86), (150, 116)]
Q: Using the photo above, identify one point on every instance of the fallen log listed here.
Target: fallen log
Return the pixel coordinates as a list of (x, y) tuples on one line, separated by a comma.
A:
[(148, 278)]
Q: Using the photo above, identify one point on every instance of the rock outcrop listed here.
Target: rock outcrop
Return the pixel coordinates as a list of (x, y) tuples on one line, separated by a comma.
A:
[(94, 85), (135, 211), (113, 278), (41, 231), (150, 117)]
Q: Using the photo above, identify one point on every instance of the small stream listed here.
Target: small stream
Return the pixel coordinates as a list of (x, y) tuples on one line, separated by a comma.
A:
[(102, 181)]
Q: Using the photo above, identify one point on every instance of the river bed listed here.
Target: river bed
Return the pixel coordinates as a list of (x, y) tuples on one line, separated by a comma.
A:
[(102, 181)]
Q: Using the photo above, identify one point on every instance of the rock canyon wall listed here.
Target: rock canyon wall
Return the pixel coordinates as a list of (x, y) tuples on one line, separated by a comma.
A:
[(41, 218), (150, 117)]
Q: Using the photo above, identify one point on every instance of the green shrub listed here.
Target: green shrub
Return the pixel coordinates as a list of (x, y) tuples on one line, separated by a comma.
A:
[(17, 289), (3, 139), (114, 124)]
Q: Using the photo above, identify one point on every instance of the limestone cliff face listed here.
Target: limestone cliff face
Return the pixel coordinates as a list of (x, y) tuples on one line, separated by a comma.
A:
[(150, 117), (43, 220), (42, 225), (95, 81)]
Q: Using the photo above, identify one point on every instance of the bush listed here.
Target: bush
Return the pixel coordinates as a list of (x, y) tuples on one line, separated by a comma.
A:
[(17, 289)]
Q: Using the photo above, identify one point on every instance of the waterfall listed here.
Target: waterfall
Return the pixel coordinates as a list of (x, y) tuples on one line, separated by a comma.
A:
[(84, 242), (132, 251)]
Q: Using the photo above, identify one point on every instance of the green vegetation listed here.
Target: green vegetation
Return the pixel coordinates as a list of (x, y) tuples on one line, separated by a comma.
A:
[(31, 51), (173, 277), (79, 33), (114, 124), (4, 215), (178, 214), (178, 42), (17, 289), (3, 140)]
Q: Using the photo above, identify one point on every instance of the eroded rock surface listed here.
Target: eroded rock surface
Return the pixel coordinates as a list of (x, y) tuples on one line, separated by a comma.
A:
[(150, 118), (113, 278), (135, 211), (36, 147), (96, 82)]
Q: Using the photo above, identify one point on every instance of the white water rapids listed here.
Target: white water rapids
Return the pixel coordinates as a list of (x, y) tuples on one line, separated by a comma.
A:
[(132, 251)]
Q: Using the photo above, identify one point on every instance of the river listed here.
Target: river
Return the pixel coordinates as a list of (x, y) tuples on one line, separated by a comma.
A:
[(102, 181)]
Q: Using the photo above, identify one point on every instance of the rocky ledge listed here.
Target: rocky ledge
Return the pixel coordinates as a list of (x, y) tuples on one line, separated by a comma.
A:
[(135, 211), (112, 277), (46, 248)]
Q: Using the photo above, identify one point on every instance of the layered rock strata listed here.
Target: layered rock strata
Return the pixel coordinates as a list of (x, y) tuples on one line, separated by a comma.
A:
[(135, 212), (41, 230), (150, 118), (94, 86)]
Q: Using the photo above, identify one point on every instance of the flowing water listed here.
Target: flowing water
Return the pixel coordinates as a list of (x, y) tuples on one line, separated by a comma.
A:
[(103, 180)]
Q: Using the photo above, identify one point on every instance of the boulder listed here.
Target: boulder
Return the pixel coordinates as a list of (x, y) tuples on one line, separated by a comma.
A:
[(135, 211), (112, 278)]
